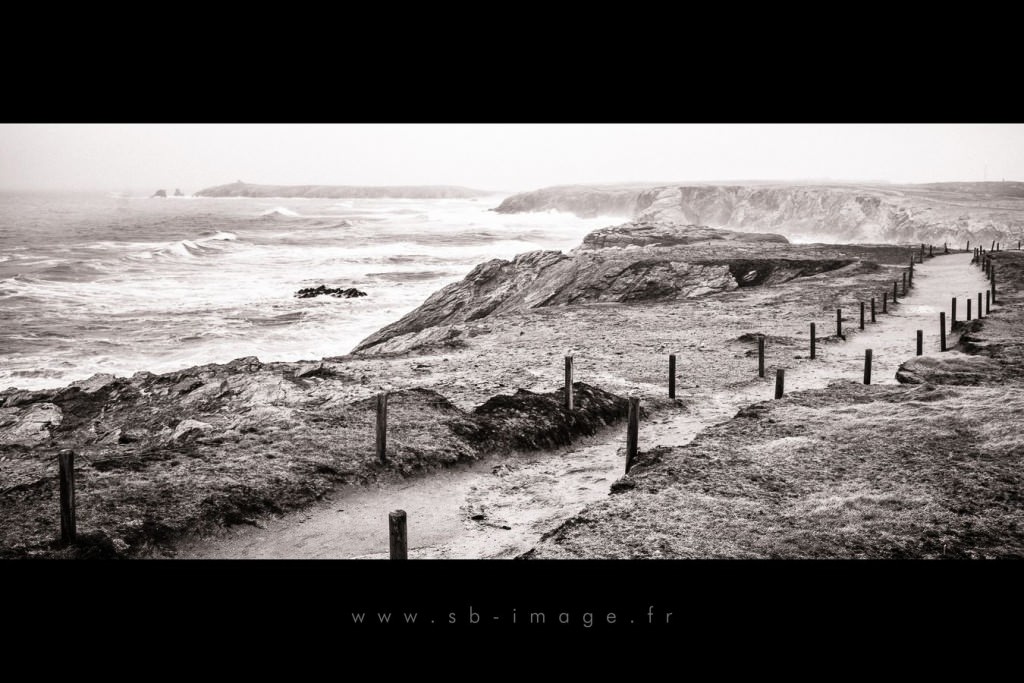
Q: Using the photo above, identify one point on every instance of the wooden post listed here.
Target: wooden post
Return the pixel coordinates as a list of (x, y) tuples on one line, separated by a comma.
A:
[(839, 322), (1018, 245), (568, 383), (993, 276), (814, 342), (68, 526), (942, 331), (968, 246), (760, 356), (904, 283), (945, 247), (862, 316), (780, 382), (920, 258), (993, 247), (979, 306), (632, 431), (867, 366), (910, 276), (988, 302), (885, 302), (399, 535), (931, 250), (382, 427), (672, 375), (920, 342), (894, 284), (953, 321), (872, 309)]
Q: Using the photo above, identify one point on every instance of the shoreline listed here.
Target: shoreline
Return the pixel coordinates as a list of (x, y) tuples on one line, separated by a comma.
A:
[(619, 347)]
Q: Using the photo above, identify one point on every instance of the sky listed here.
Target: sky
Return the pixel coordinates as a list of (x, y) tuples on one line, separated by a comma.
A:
[(500, 157)]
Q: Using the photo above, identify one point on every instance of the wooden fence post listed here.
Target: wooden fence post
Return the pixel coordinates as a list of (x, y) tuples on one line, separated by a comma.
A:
[(993, 276), (568, 383), (382, 427), (862, 316), (885, 302), (904, 283), (780, 382), (399, 535), (839, 322), (894, 284), (979, 306), (760, 356), (814, 342), (968, 308), (872, 309), (68, 525), (867, 366), (672, 375), (942, 331), (920, 342), (953, 319), (632, 431), (988, 302)]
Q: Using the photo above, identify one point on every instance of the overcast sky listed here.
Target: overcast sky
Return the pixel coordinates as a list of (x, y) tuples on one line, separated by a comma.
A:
[(496, 156)]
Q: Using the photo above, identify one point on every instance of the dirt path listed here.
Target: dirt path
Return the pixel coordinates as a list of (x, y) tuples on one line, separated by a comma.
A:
[(500, 508)]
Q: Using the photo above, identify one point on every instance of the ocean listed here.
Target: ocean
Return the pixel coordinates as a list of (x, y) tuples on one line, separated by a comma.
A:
[(108, 283)]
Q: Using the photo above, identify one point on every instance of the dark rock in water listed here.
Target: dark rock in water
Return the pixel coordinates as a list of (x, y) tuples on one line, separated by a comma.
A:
[(310, 292), (160, 193), (178, 193)]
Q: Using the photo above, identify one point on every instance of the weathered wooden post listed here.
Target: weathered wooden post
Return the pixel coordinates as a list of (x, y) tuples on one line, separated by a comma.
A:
[(862, 316), (780, 382), (953, 322), (839, 322), (942, 331), (568, 383), (894, 284), (68, 525), (814, 342), (979, 306), (867, 366), (988, 302), (920, 342), (993, 276), (945, 247), (760, 355), (968, 246), (672, 375), (632, 431), (885, 302), (399, 535), (931, 250), (968, 308), (993, 247), (904, 283), (872, 309), (382, 427)]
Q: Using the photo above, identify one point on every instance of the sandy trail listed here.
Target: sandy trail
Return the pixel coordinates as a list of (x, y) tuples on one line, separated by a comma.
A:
[(500, 507)]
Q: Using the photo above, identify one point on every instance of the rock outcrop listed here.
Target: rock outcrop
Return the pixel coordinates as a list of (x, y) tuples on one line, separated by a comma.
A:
[(337, 292), (933, 214), (159, 193), (635, 262), (240, 189)]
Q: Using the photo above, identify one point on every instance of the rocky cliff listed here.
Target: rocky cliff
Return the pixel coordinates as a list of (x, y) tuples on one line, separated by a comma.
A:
[(934, 214), (241, 189), (586, 202), (635, 262)]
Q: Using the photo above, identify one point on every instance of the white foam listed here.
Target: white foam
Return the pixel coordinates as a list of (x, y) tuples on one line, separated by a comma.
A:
[(280, 211)]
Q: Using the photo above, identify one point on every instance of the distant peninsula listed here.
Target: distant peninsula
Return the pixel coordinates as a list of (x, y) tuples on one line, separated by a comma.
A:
[(241, 189)]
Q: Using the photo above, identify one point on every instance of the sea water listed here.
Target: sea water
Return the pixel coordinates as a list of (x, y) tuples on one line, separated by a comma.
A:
[(109, 283)]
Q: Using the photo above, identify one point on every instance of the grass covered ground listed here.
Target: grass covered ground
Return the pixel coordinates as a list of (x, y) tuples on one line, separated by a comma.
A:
[(930, 469)]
